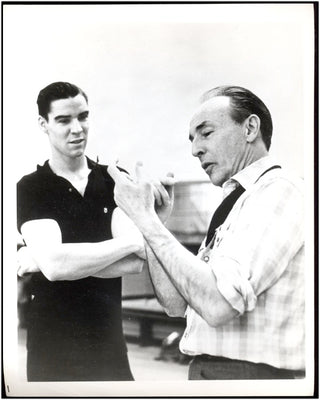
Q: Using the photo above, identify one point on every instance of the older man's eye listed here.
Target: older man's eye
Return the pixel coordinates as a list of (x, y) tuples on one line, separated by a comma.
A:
[(206, 133)]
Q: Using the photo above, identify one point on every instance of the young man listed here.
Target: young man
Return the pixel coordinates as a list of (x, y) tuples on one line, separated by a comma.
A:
[(243, 295), (77, 237)]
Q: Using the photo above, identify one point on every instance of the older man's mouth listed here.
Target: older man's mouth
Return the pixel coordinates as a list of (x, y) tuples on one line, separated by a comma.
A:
[(207, 166)]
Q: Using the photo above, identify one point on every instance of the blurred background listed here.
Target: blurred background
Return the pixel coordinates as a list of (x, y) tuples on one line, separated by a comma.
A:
[(144, 68)]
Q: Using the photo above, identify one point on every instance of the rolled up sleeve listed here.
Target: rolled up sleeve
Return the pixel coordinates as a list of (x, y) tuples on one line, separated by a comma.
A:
[(233, 283), (256, 244)]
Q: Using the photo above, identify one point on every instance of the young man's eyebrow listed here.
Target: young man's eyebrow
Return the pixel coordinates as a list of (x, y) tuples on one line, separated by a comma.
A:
[(84, 114), (61, 116)]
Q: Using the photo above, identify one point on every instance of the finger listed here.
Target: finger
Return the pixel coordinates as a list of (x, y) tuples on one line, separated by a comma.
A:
[(139, 171), (169, 183), (157, 195), (169, 179), (21, 255), (20, 270), (164, 194), (170, 190)]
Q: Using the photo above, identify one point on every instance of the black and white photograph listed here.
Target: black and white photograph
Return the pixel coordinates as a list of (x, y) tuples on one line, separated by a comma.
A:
[(159, 208)]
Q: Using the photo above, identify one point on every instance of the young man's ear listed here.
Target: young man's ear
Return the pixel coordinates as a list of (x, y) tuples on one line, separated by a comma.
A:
[(43, 124), (252, 124)]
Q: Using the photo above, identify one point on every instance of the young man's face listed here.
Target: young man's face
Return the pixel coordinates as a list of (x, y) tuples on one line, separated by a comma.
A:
[(67, 126), (217, 140)]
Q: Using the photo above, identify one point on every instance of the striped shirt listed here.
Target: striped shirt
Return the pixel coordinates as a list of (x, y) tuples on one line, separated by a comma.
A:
[(258, 261)]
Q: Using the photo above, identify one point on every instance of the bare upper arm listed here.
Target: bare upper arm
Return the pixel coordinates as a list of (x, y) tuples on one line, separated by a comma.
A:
[(121, 224), (41, 233)]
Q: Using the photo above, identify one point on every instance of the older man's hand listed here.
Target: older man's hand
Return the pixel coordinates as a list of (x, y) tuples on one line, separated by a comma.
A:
[(142, 196), (164, 208)]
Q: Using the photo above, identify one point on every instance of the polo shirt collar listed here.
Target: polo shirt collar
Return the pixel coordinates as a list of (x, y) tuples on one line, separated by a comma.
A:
[(91, 164), (45, 168)]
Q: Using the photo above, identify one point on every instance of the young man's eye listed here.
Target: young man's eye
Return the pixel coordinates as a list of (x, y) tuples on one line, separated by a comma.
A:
[(206, 133), (63, 121)]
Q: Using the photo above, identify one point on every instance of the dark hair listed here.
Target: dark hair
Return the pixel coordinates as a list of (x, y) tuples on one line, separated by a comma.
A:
[(56, 91), (243, 103)]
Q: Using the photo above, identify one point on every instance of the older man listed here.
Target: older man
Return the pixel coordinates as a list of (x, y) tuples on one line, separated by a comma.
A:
[(243, 295)]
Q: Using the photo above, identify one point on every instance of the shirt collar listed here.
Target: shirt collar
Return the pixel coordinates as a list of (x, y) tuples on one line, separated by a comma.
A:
[(249, 175), (45, 168)]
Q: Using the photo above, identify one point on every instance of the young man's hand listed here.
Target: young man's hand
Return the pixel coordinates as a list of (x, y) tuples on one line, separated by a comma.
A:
[(26, 264)]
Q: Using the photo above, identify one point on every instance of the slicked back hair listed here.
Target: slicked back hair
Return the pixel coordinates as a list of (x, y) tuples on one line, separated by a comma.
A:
[(244, 103), (56, 91)]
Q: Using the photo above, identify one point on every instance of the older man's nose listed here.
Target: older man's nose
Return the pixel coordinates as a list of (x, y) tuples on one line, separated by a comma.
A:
[(197, 148)]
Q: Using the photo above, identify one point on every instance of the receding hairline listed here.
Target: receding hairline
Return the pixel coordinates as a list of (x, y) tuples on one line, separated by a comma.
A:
[(207, 102), (226, 99), (244, 102)]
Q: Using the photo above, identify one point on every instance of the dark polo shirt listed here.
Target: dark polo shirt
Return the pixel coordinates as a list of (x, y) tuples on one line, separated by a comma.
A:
[(73, 319)]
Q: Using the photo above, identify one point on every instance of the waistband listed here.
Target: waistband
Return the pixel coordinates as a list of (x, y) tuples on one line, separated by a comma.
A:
[(218, 359)]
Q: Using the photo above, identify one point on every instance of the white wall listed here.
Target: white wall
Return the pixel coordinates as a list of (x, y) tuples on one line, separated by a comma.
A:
[(144, 69)]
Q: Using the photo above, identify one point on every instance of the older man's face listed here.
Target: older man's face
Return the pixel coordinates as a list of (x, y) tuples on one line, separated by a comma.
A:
[(218, 141)]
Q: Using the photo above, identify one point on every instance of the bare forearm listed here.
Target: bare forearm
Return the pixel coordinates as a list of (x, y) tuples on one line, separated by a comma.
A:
[(128, 265), (167, 294), (192, 277), (179, 265), (70, 261)]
